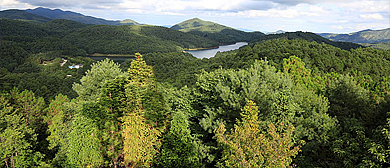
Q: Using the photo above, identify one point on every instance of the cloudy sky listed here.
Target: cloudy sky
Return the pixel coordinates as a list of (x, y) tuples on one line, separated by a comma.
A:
[(336, 16)]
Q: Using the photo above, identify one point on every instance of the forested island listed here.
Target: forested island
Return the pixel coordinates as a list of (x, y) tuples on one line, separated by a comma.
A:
[(283, 100)]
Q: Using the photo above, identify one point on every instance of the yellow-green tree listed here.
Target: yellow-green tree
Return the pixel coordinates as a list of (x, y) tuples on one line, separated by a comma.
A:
[(248, 146), (140, 138)]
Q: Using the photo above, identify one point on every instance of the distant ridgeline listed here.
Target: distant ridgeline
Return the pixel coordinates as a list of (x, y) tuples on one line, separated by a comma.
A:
[(365, 36), (373, 38), (44, 15)]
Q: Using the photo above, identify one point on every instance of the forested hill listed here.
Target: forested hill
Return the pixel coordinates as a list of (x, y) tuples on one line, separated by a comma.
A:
[(44, 14), (216, 32), (310, 37), (365, 36), (73, 38), (136, 38), (22, 15)]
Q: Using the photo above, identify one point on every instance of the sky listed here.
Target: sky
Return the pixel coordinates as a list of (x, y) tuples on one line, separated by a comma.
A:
[(319, 16)]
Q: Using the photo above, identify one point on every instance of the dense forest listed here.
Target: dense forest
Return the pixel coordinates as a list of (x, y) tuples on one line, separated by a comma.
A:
[(289, 100)]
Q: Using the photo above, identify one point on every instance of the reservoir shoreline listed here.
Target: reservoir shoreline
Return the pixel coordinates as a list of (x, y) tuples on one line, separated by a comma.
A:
[(208, 53)]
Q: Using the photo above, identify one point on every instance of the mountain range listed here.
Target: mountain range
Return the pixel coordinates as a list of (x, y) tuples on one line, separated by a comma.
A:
[(208, 30), (364, 36), (44, 15)]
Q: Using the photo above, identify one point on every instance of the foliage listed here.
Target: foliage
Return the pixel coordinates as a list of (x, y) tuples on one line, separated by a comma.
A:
[(95, 78), (17, 138), (141, 140), (84, 141), (178, 146), (248, 146)]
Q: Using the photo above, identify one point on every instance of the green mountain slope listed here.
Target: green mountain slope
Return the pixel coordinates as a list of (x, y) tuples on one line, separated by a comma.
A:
[(135, 38), (16, 28), (22, 15), (384, 45), (365, 36), (310, 37), (70, 37), (214, 31)]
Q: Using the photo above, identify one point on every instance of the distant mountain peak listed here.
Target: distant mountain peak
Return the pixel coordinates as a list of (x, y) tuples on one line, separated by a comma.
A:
[(78, 17), (195, 19), (214, 31), (196, 23), (52, 13)]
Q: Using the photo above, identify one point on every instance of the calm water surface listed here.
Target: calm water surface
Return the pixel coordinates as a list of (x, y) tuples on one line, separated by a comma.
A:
[(118, 59), (208, 53)]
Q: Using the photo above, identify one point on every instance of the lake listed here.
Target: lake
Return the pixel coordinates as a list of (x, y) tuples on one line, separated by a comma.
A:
[(118, 59), (208, 53)]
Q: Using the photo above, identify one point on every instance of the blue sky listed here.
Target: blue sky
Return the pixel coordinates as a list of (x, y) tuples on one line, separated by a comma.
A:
[(320, 16)]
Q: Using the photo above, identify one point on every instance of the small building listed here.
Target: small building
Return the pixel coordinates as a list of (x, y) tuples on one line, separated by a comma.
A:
[(76, 66)]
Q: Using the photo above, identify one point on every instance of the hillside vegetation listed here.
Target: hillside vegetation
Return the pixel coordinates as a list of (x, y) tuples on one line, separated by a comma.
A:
[(384, 45), (309, 37), (216, 32), (365, 36), (73, 38)]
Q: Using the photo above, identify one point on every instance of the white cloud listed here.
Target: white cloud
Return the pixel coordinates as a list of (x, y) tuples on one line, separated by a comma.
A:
[(13, 4), (367, 6), (337, 27), (70, 3), (9, 3), (376, 16), (288, 13)]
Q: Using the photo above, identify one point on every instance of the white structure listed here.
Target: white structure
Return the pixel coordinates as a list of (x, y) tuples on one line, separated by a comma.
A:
[(76, 66)]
